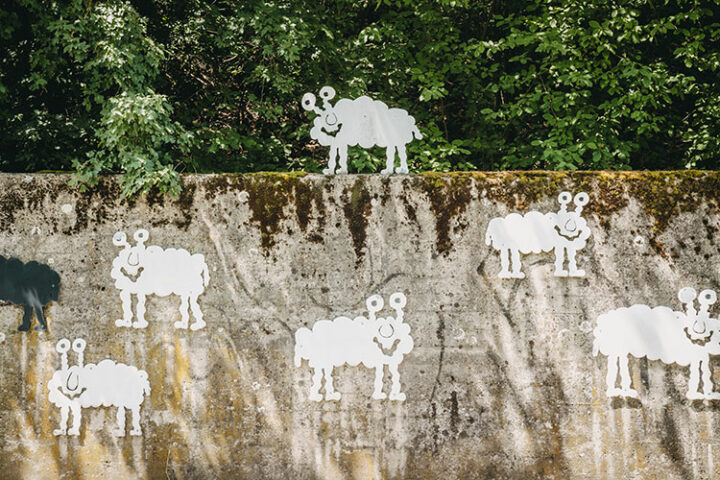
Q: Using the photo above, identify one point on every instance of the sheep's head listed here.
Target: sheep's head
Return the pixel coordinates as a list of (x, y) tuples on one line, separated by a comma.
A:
[(327, 118), (569, 223), (70, 379), (130, 258), (389, 331), (700, 327)]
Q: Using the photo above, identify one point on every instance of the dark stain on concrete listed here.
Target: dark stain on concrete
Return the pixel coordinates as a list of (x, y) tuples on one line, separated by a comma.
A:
[(357, 209)]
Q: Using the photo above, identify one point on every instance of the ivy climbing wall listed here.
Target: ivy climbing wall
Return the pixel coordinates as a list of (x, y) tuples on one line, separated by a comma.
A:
[(327, 327)]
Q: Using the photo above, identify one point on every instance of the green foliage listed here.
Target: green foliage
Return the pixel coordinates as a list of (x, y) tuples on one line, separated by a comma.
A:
[(607, 85), (137, 136), (149, 89)]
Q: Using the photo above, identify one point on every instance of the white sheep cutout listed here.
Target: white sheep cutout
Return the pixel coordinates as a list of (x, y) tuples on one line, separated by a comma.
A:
[(107, 384), (161, 272), (362, 121), (565, 232), (659, 333), (375, 342)]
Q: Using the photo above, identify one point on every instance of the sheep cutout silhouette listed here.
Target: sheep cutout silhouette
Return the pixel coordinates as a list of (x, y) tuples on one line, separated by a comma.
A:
[(659, 333), (564, 232), (31, 285), (160, 272), (362, 121), (107, 384), (374, 342)]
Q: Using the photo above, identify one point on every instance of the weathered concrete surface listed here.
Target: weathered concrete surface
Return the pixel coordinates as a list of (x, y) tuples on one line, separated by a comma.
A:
[(501, 384)]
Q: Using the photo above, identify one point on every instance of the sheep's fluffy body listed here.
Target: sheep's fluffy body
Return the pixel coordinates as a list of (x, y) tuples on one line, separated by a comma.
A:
[(656, 333), (173, 271), (366, 122), (533, 232), (165, 272), (107, 384), (345, 341)]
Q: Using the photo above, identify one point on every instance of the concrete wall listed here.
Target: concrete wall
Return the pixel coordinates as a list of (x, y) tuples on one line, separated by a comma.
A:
[(501, 383)]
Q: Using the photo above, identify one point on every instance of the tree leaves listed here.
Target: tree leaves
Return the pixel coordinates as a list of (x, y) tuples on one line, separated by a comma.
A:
[(148, 89)]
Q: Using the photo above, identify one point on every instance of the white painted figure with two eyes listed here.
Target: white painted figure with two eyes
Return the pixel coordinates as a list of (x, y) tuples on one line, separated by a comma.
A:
[(564, 232), (142, 271), (374, 342), (362, 121), (107, 384), (686, 338)]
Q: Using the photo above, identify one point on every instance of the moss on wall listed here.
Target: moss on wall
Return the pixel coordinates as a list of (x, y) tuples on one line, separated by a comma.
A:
[(274, 197), (357, 209)]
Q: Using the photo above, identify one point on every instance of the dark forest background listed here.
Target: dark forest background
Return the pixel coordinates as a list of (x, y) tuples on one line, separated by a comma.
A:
[(151, 89)]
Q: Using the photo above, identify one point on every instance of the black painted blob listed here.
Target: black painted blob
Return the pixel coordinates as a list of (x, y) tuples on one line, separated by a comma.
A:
[(31, 285)]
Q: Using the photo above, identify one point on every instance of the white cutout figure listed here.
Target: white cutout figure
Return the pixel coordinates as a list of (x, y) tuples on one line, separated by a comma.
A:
[(363, 121), (160, 272), (107, 384), (564, 232), (659, 333), (375, 342)]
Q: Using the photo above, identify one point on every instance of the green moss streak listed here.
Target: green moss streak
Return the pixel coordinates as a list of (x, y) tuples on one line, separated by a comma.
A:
[(268, 196), (184, 202), (449, 196), (356, 211)]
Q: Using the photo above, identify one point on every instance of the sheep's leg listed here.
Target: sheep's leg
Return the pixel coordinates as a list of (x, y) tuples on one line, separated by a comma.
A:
[(342, 151), (184, 314), (379, 374), (197, 314), (42, 325), (572, 263), (315, 388), (136, 430), (126, 298), (395, 393), (693, 392), (707, 381), (389, 160), (625, 380), (64, 410), (611, 376), (330, 393), (516, 265), (140, 322), (77, 418), (402, 153), (504, 263), (120, 430), (560, 262), (27, 313), (330, 170)]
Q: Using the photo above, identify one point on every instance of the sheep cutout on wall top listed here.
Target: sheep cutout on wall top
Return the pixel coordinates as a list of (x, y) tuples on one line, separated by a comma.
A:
[(374, 342), (564, 232), (659, 333), (31, 285), (362, 121), (107, 384), (159, 272)]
